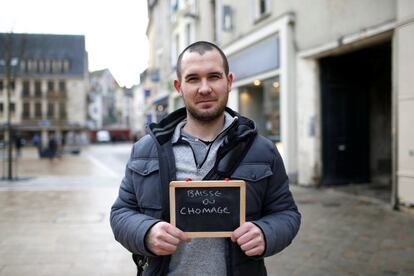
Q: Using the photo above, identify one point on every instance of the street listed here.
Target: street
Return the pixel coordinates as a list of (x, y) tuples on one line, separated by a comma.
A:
[(55, 221)]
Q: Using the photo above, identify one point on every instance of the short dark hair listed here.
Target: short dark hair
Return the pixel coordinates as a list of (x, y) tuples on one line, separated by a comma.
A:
[(201, 47)]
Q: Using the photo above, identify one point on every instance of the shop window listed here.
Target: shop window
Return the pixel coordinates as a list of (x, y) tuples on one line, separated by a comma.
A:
[(260, 102), (1, 85)]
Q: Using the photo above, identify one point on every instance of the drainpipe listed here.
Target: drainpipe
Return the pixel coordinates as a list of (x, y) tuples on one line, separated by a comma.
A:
[(394, 134)]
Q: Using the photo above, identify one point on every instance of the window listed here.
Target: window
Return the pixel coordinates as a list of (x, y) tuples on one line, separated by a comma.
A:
[(26, 88), (26, 111), (62, 111), (66, 66), (50, 87), (50, 110), (22, 66), (41, 66), (56, 66), (1, 107), (1, 85), (260, 101), (12, 107), (12, 85), (175, 50), (47, 66), (227, 18), (262, 8), (38, 89), (62, 86), (38, 110), (188, 34)]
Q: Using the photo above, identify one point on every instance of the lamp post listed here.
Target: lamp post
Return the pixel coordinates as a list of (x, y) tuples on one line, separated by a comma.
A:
[(9, 63)]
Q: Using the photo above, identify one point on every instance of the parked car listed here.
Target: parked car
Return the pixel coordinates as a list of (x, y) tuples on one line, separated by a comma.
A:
[(103, 136)]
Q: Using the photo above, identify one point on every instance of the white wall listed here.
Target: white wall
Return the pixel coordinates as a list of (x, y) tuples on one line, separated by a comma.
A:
[(309, 133), (404, 88)]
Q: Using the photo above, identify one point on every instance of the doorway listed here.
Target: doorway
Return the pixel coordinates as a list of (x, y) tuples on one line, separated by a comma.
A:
[(356, 117)]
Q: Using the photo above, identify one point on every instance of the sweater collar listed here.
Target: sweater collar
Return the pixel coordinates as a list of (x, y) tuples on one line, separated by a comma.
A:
[(164, 130)]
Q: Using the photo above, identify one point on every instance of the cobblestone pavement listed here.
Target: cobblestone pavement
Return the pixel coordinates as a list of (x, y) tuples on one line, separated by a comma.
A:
[(56, 223)]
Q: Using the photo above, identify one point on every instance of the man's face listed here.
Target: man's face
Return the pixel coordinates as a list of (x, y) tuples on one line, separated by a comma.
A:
[(204, 86)]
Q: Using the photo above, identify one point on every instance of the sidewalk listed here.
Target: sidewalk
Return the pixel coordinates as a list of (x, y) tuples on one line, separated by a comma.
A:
[(56, 220), (57, 224)]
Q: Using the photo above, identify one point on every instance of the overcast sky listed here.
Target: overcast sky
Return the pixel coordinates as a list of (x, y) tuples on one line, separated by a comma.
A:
[(114, 30)]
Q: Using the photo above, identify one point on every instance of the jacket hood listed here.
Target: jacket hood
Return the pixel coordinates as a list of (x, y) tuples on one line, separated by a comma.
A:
[(163, 131)]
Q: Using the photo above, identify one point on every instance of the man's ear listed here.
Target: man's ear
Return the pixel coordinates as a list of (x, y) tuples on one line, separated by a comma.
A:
[(177, 86), (229, 81)]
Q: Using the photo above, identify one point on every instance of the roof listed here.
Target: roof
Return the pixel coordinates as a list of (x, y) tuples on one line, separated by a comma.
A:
[(47, 47)]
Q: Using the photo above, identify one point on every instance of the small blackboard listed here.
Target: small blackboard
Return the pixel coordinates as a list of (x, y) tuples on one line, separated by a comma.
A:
[(208, 208)]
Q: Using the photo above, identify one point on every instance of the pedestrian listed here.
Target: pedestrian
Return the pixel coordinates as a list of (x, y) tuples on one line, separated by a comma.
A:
[(36, 140), (52, 147), (19, 143), (205, 140)]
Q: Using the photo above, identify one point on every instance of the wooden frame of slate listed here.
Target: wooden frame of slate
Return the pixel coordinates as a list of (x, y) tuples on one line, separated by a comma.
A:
[(208, 208)]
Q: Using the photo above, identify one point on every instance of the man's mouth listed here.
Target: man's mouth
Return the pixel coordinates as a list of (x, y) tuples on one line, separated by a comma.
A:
[(206, 101)]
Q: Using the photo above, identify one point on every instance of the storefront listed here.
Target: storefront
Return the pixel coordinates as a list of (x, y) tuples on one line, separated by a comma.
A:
[(263, 89), (260, 102)]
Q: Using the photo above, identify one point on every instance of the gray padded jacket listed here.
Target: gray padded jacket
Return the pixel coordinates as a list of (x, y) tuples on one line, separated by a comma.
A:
[(244, 155)]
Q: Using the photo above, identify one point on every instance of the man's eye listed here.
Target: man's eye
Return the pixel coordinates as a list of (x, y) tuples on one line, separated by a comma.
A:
[(215, 77), (192, 79)]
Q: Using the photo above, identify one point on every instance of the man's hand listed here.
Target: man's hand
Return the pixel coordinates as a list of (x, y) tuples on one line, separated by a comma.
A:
[(250, 238), (163, 238)]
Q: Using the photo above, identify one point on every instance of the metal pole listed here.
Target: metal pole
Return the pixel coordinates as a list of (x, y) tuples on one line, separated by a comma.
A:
[(8, 127)]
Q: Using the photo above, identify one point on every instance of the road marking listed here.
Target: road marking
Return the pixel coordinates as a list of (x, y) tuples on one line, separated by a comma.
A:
[(98, 163)]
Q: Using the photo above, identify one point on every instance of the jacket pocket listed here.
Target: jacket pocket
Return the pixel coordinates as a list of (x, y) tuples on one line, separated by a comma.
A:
[(144, 167), (256, 176), (252, 172), (146, 181)]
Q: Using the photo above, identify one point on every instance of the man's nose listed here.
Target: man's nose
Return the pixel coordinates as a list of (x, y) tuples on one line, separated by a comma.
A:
[(204, 87)]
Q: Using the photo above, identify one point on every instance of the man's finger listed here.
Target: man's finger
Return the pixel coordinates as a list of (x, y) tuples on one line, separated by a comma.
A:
[(175, 232), (161, 246), (249, 245), (257, 251), (170, 239), (244, 228)]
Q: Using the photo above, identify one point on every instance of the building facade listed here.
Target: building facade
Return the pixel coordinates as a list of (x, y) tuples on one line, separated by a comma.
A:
[(172, 26), (49, 81), (109, 105), (327, 81)]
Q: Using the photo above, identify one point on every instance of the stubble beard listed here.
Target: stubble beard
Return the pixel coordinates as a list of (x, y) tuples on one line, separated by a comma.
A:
[(207, 116)]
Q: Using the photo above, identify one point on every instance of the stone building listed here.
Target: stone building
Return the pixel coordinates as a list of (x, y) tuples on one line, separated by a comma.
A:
[(109, 105), (329, 82), (172, 26), (49, 82)]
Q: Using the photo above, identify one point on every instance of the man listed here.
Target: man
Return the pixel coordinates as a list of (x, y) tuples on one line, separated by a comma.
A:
[(205, 140)]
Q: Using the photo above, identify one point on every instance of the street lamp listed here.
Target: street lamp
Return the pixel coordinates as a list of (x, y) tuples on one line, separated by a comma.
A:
[(10, 62)]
